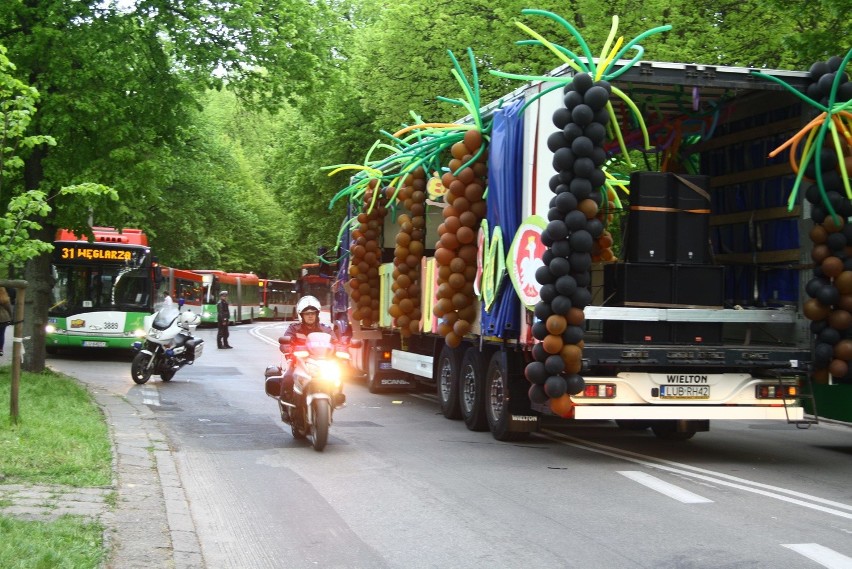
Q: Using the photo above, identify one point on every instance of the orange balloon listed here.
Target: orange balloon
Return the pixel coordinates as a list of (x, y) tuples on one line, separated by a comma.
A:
[(815, 310), (563, 406), (556, 324), (552, 343), (832, 266), (838, 368), (571, 354), (453, 340)]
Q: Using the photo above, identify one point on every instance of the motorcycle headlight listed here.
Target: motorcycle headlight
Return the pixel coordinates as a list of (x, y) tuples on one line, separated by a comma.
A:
[(328, 371)]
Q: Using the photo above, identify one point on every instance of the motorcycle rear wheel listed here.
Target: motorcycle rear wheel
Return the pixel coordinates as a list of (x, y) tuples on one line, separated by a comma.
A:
[(139, 370), (322, 416)]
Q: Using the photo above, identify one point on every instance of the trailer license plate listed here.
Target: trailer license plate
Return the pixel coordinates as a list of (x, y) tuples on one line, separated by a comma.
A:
[(92, 344), (685, 392)]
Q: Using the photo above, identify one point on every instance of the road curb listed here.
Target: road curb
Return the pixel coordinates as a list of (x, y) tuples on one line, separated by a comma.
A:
[(151, 525)]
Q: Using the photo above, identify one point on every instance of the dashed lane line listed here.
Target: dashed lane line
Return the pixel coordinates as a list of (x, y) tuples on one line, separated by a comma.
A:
[(783, 494), (665, 488), (822, 555)]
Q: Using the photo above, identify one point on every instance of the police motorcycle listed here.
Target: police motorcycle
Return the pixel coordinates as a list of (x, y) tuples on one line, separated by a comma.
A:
[(169, 344), (319, 365)]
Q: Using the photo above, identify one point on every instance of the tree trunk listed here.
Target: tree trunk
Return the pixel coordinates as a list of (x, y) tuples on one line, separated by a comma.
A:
[(37, 272)]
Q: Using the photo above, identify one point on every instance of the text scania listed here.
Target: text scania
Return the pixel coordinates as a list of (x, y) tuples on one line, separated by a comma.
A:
[(687, 378)]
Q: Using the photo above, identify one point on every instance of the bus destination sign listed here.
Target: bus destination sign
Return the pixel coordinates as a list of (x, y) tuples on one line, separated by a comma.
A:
[(91, 253)]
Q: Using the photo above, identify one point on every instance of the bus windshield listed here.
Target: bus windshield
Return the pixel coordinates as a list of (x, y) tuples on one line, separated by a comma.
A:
[(89, 288)]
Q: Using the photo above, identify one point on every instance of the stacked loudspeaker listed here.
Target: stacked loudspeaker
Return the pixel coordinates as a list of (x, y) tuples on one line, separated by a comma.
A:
[(667, 264)]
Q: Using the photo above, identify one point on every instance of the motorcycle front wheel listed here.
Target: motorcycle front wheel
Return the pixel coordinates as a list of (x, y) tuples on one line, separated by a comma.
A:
[(139, 370), (168, 374), (322, 416)]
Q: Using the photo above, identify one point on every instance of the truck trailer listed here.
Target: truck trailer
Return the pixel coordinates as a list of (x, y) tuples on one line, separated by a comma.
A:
[(701, 313)]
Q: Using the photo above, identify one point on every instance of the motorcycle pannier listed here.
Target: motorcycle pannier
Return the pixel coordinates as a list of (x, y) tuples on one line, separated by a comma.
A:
[(273, 381)]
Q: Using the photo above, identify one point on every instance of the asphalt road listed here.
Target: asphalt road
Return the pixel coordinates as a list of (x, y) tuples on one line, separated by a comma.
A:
[(400, 486)]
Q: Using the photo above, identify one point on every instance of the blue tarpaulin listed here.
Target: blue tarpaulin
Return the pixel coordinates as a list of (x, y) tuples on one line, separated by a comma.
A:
[(505, 169)]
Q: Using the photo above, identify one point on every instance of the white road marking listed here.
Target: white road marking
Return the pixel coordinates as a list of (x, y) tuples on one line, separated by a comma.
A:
[(150, 396), (665, 488), (256, 332), (783, 494), (822, 555)]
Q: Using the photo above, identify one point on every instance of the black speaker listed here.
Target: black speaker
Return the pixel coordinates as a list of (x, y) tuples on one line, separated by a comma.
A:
[(699, 285), (638, 283), (692, 219), (651, 223), (669, 219)]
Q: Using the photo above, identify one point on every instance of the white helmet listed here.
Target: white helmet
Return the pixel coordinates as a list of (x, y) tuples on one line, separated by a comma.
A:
[(307, 302), (188, 318)]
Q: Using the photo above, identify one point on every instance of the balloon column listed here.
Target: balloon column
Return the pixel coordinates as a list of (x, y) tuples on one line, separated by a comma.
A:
[(822, 163), (576, 223), (405, 308), (416, 149), (455, 250), (367, 256)]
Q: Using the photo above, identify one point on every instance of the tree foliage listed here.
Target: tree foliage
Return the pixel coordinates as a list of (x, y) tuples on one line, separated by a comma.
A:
[(119, 81)]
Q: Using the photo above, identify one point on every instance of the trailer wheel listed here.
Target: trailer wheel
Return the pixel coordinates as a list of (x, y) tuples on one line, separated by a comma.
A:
[(472, 390), (502, 396), (372, 369), (447, 381)]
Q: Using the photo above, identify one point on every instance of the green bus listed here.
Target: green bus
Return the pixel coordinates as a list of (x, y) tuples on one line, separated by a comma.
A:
[(278, 300), (102, 291), (243, 295)]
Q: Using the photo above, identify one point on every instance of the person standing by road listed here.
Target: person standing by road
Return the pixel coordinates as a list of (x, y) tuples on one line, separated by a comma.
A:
[(5, 316), (223, 315)]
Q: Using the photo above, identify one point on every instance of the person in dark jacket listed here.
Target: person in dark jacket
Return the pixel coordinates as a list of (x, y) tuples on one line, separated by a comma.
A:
[(223, 315)]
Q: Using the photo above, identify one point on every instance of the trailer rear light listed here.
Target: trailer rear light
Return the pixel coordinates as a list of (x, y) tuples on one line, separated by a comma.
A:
[(598, 391), (386, 355), (775, 391)]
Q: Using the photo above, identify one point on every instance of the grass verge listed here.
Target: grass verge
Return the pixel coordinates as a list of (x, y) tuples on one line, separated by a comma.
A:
[(60, 438)]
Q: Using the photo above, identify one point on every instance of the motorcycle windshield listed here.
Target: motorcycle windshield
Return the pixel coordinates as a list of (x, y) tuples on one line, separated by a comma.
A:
[(166, 316), (319, 344)]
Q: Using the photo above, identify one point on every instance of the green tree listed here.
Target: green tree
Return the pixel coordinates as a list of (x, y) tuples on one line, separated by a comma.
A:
[(118, 81)]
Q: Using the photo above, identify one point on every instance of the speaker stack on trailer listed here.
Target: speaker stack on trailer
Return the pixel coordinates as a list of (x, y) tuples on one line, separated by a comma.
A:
[(668, 255)]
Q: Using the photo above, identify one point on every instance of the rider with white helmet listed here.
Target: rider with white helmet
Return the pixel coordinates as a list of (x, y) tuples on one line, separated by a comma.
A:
[(308, 309)]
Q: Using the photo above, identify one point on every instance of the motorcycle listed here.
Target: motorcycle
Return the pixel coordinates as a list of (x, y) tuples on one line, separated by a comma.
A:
[(169, 345), (318, 366)]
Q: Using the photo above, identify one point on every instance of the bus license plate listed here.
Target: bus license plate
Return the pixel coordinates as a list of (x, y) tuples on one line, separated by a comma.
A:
[(92, 344), (385, 365), (685, 392)]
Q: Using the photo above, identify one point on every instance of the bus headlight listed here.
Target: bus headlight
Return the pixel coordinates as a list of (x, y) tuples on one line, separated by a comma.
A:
[(139, 333), (50, 329)]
